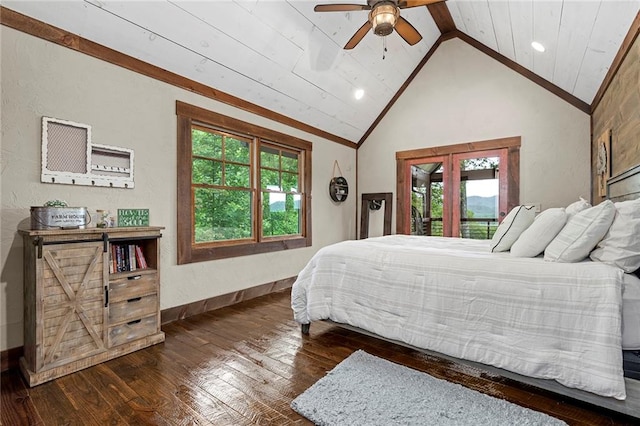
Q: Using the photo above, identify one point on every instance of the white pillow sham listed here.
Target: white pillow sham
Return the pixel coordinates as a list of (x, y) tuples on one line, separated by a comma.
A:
[(542, 231), (621, 245), (518, 219), (576, 207), (581, 234)]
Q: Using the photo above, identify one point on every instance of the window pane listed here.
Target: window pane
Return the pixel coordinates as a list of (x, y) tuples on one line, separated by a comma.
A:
[(270, 179), (222, 215), (290, 182), (236, 175), (479, 193), (280, 214), (206, 144), (269, 157), (289, 161), (236, 150), (206, 171)]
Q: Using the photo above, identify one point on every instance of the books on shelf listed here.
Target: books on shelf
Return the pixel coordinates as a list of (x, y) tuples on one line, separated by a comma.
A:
[(126, 257)]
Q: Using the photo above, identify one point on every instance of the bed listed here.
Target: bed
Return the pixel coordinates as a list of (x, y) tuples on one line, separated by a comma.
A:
[(563, 322)]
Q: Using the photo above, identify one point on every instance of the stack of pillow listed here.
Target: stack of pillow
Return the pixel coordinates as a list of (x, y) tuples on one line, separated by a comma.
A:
[(608, 232)]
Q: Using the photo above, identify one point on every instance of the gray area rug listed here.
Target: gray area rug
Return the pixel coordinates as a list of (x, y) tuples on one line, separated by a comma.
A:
[(367, 390)]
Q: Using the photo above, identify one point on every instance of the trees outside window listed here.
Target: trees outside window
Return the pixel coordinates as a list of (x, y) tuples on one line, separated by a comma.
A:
[(242, 189)]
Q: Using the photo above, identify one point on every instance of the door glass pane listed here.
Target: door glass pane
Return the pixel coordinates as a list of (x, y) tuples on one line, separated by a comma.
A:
[(479, 190), (426, 199)]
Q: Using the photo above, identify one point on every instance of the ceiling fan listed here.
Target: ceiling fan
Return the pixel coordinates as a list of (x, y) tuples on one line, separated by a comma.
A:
[(384, 16)]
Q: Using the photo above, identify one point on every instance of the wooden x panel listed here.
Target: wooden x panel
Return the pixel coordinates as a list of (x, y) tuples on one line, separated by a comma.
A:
[(73, 308)]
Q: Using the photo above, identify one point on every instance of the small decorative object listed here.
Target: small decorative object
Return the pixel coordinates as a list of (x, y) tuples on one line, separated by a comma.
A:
[(338, 186), (375, 204), (56, 214), (603, 161), (70, 157), (133, 217), (103, 219), (56, 203)]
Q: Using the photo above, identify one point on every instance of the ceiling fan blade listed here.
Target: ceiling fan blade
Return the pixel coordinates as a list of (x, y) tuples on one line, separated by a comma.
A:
[(404, 4), (340, 7), (359, 35), (407, 31)]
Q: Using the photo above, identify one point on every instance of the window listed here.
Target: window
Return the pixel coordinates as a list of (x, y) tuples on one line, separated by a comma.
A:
[(242, 189)]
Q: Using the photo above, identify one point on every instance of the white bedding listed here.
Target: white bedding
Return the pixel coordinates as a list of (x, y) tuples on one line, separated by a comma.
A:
[(631, 313), (536, 318)]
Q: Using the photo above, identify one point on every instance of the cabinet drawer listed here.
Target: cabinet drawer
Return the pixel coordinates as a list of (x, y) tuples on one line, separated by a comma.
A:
[(133, 286), (133, 308), (132, 330)]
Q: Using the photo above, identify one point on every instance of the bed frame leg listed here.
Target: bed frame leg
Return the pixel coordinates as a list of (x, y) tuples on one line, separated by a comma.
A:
[(305, 328)]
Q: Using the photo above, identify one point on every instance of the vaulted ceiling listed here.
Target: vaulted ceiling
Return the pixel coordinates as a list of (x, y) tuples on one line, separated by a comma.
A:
[(282, 56)]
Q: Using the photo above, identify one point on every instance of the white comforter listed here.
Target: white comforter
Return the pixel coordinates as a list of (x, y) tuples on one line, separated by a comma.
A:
[(536, 318)]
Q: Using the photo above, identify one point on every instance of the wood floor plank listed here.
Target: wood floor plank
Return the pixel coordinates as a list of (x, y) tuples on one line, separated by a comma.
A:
[(146, 378), (81, 393), (131, 406), (242, 365), (14, 394), (256, 383), (182, 364), (55, 408)]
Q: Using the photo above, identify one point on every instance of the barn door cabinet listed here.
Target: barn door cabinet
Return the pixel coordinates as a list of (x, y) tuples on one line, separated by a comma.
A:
[(78, 313)]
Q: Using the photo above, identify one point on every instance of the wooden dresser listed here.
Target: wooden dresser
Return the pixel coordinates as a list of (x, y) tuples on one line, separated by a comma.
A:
[(87, 298)]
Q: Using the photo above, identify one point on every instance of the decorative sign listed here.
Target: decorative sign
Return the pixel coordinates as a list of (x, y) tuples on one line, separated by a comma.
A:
[(128, 218)]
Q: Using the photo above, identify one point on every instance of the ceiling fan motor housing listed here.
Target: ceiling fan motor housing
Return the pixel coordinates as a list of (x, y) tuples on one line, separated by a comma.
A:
[(383, 18)]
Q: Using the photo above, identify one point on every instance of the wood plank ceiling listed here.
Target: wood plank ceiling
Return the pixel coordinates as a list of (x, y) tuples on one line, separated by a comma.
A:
[(283, 56)]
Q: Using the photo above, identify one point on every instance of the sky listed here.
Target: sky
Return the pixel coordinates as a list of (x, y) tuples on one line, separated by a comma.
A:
[(482, 188)]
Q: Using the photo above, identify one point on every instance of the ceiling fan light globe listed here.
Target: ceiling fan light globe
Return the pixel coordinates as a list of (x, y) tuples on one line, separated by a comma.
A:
[(383, 18)]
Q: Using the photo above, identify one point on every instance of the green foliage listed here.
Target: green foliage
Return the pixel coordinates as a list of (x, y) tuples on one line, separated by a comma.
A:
[(280, 214), (222, 214), (223, 190), (437, 199), (206, 144)]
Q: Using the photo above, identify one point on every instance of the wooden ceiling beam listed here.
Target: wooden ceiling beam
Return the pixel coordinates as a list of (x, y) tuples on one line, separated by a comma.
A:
[(442, 17)]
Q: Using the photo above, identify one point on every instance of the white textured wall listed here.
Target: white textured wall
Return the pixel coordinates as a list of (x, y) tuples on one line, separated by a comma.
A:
[(462, 95), (129, 110)]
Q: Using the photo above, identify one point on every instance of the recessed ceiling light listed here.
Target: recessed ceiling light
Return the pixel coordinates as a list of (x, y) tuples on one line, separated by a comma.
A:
[(358, 94), (538, 46)]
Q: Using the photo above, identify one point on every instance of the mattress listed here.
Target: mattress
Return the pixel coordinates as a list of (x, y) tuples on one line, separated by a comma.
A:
[(450, 295)]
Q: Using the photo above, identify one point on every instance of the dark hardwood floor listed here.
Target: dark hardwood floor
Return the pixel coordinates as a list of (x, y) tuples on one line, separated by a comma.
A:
[(239, 365)]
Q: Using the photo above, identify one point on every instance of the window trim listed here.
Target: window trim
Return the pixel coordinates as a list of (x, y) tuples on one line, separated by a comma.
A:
[(188, 252)]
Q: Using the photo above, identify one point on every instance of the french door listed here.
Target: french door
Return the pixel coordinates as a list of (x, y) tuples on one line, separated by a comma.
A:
[(464, 193)]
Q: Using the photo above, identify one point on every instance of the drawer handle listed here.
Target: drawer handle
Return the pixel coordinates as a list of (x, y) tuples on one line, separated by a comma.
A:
[(135, 277), (134, 322), (134, 299)]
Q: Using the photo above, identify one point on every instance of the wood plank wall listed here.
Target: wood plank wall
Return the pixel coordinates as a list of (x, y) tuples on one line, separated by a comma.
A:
[(619, 110)]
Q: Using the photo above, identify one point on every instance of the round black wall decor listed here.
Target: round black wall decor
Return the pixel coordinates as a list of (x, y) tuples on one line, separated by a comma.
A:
[(338, 189)]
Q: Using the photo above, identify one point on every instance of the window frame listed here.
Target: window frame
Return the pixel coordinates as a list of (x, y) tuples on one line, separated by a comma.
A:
[(188, 251)]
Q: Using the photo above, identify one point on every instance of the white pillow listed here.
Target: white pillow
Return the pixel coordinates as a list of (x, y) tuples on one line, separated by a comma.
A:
[(576, 207), (542, 231), (621, 246), (581, 234), (518, 219)]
